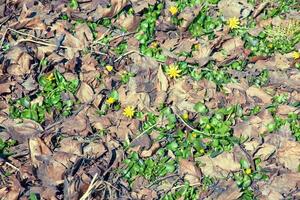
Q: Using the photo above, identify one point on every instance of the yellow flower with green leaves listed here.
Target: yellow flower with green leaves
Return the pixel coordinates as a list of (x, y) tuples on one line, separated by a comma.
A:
[(173, 10), (129, 111), (233, 23), (173, 71), (248, 171), (110, 100), (296, 55), (50, 77)]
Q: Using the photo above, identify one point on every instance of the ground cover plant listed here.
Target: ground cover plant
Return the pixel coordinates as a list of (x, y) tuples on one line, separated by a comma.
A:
[(158, 99)]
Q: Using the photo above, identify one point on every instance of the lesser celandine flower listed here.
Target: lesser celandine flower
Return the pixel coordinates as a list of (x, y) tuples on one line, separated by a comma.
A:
[(50, 77), (110, 100), (173, 10), (248, 171), (129, 111), (233, 23), (296, 55), (173, 71), (109, 68)]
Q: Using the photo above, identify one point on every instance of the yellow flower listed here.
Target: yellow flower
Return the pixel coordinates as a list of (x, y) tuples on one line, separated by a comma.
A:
[(194, 134), (50, 77), (185, 116), (109, 68), (173, 10), (154, 45), (173, 71), (110, 100), (129, 111), (296, 55), (202, 151), (197, 46), (248, 171), (233, 22)]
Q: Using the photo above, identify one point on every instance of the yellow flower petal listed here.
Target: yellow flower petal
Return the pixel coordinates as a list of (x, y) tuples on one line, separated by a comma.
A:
[(233, 23), (296, 55), (248, 171), (109, 68), (110, 100), (173, 71), (173, 10), (129, 111)]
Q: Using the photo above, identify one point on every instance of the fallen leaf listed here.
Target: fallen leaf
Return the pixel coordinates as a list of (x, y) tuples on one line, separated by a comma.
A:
[(289, 155), (85, 93), (190, 171)]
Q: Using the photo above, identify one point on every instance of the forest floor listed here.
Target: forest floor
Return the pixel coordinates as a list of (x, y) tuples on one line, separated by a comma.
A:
[(174, 99)]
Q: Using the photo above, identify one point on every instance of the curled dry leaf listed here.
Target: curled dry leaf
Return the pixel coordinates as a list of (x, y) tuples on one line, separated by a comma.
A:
[(190, 171), (147, 153), (37, 148)]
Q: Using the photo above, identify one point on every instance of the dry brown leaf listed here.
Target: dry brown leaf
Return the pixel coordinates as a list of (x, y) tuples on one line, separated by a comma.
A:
[(94, 150), (265, 151), (280, 185), (289, 155), (128, 22), (22, 130), (82, 125), (151, 151), (85, 93), (259, 93), (115, 8), (219, 166), (190, 171), (70, 145), (37, 148)]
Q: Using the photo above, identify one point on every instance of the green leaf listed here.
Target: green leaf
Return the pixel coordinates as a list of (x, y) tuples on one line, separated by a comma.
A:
[(114, 94), (244, 164), (200, 108), (33, 196)]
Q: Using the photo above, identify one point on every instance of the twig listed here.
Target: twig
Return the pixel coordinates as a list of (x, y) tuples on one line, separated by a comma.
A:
[(248, 156), (94, 184), (25, 34), (160, 179), (45, 43), (145, 131), (12, 166), (122, 35), (125, 54)]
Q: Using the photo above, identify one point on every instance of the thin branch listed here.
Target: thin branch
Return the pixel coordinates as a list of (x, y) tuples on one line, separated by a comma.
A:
[(125, 54)]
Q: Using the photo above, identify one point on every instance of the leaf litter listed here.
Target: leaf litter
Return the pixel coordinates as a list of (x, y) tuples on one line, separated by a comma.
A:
[(119, 99)]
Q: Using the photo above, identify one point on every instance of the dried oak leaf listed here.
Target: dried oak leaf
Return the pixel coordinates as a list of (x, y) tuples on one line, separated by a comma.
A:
[(280, 185), (21, 130), (52, 168), (289, 155), (37, 148), (19, 61), (190, 171), (115, 8), (260, 94), (85, 93), (128, 22), (82, 125), (219, 166)]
